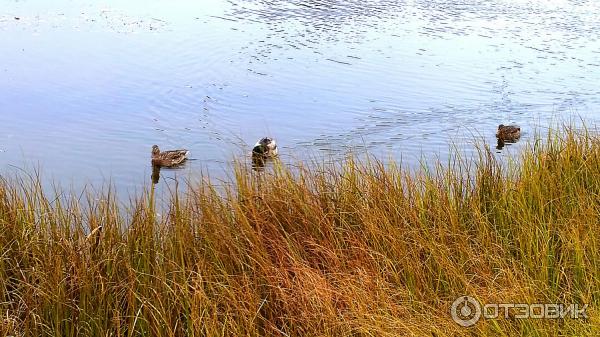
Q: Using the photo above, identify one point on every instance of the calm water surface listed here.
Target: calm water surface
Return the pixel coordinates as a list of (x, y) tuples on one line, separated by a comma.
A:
[(86, 87)]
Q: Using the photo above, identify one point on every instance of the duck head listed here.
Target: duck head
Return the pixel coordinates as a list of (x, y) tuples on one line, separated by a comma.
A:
[(155, 151)]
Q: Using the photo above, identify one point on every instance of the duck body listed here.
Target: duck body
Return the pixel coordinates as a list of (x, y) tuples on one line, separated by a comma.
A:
[(509, 133), (265, 148), (168, 158)]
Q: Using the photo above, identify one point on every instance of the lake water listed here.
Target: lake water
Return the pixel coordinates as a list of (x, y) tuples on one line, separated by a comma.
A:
[(87, 87)]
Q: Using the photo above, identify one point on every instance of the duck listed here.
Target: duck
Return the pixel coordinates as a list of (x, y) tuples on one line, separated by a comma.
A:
[(265, 148), (168, 158), (509, 133)]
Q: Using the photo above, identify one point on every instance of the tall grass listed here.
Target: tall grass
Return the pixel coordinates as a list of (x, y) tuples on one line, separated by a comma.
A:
[(359, 248)]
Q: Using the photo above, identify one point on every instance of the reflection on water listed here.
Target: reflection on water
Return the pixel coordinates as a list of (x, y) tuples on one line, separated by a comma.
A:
[(502, 143), (259, 163), (86, 87), (155, 174)]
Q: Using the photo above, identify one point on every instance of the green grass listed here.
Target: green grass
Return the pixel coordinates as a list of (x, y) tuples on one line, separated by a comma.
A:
[(359, 248)]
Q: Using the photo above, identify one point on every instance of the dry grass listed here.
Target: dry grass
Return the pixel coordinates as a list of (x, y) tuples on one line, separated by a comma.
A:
[(360, 248)]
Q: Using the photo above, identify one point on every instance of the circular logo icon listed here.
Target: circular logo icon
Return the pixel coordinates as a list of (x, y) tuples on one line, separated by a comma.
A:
[(465, 311)]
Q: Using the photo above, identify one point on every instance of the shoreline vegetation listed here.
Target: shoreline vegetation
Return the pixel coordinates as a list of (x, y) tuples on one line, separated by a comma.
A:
[(359, 248)]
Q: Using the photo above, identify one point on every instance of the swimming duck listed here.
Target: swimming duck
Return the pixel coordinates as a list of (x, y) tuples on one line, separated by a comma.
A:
[(265, 148), (508, 133), (168, 158)]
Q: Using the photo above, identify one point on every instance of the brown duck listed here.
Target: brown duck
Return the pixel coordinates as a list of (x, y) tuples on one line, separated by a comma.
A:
[(508, 133), (168, 158), (265, 148)]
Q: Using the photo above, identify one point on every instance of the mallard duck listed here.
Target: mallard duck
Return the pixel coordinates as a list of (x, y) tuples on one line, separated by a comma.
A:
[(509, 133), (168, 158), (265, 148)]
